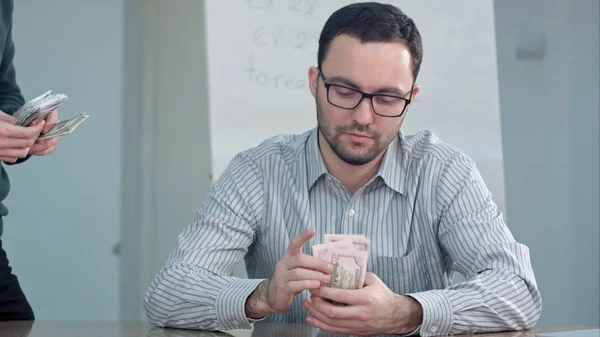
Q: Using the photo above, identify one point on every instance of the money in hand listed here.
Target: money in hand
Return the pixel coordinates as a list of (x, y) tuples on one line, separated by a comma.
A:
[(64, 127), (39, 108), (348, 254)]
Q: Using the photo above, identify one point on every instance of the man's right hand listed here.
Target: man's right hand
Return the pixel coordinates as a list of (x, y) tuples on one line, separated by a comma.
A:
[(293, 273), (15, 141)]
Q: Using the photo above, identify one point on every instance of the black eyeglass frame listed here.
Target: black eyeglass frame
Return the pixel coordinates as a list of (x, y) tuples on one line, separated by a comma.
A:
[(366, 95)]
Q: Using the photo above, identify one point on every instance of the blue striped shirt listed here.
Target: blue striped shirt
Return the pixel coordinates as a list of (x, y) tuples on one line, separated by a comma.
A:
[(427, 213)]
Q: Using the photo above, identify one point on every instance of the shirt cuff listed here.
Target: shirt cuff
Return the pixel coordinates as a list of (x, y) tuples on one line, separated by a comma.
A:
[(437, 313), (414, 333), (231, 304)]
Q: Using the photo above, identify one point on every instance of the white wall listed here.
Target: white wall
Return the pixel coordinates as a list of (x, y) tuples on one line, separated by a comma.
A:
[(259, 53), (549, 108), (64, 208)]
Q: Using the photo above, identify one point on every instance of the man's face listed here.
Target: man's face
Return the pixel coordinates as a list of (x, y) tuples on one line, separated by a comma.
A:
[(359, 136)]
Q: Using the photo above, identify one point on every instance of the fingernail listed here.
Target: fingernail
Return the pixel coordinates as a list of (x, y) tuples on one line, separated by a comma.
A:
[(327, 278), (330, 267)]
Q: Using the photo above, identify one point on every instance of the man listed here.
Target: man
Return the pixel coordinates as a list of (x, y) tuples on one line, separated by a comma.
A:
[(421, 202), (17, 144)]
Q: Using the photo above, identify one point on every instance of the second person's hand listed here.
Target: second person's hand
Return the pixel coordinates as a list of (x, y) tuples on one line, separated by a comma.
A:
[(43, 147), (16, 141)]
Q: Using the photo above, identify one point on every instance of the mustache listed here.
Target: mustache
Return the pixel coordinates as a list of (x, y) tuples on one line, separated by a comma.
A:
[(356, 128)]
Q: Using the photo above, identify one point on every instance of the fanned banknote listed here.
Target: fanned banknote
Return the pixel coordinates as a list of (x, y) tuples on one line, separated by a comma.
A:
[(349, 255), (64, 127), (40, 107), (360, 242)]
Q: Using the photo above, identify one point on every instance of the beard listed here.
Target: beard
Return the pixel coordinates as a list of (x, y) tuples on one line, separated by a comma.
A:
[(351, 153)]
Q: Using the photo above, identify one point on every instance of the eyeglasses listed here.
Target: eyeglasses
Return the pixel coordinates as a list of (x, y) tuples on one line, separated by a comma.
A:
[(349, 98)]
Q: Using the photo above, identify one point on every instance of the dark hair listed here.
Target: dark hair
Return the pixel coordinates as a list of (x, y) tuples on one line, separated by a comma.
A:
[(373, 22)]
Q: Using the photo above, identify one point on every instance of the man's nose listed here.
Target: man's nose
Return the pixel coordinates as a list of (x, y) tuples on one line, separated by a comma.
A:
[(363, 113)]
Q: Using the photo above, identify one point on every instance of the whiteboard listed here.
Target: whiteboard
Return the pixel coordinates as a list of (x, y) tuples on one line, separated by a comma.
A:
[(259, 52)]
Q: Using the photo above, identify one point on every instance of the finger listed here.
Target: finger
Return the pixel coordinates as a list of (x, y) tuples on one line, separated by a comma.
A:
[(4, 117), (298, 241), (339, 312), (52, 117), (47, 127), (371, 279), (299, 274), (50, 121), (295, 287), (15, 131), (8, 159), (40, 149), (16, 143), (349, 296), (45, 146), (330, 324), (47, 142), (48, 150), (309, 262), (15, 153)]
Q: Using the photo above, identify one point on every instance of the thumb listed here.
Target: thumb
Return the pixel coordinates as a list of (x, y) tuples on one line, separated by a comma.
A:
[(295, 247), (371, 279), (39, 125), (47, 127)]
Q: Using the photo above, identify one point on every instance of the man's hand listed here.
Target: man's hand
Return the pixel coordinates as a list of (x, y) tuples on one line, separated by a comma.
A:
[(16, 141), (371, 310), (46, 146), (293, 273)]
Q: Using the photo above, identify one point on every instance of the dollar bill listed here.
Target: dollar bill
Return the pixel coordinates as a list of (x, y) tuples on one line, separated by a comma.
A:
[(65, 127), (39, 108), (359, 242), (349, 255)]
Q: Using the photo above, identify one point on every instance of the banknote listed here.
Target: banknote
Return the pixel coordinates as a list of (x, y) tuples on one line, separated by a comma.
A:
[(65, 127), (38, 108), (360, 242), (349, 255)]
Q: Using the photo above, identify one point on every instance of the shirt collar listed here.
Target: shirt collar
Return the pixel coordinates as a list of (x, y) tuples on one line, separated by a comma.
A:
[(314, 160), (394, 165), (392, 170)]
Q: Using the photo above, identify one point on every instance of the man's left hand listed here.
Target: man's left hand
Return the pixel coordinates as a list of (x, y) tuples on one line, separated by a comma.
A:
[(43, 147), (371, 310)]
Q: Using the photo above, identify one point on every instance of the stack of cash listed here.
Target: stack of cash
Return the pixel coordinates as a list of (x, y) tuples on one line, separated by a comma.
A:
[(348, 254), (64, 127), (40, 107)]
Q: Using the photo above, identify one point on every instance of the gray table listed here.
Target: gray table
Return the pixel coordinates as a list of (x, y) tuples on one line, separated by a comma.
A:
[(144, 329)]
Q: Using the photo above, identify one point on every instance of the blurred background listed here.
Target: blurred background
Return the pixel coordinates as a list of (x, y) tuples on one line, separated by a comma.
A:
[(176, 88)]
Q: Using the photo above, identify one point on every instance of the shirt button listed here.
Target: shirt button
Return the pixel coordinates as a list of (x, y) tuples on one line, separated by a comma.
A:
[(434, 329), (351, 212), (235, 322)]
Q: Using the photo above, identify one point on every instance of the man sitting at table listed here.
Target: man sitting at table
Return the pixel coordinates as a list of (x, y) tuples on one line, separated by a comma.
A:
[(421, 202)]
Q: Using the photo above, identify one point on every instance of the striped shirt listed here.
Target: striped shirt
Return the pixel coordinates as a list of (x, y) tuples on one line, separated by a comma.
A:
[(427, 213)]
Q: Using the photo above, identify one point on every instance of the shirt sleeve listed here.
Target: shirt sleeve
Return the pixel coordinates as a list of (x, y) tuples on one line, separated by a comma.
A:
[(500, 291), (194, 289)]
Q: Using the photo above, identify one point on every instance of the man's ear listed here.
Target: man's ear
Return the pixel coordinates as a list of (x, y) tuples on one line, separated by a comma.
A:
[(313, 80), (416, 90)]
